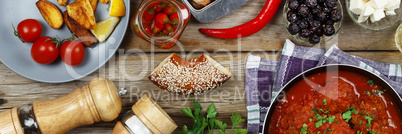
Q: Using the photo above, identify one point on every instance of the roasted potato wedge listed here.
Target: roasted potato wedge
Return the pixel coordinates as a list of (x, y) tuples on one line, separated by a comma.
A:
[(94, 3), (86, 37), (62, 2), (50, 13), (81, 11), (104, 1)]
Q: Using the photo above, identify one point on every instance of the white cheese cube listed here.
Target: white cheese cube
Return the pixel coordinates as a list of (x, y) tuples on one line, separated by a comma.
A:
[(393, 4), (362, 18), (368, 11), (378, 4), (390, 12), (377, 15), (356, 6)]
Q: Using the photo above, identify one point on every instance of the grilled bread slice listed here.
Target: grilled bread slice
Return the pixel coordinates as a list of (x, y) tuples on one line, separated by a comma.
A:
[(104, 1), (86, 37), (81, 11), (62, 2), (50, 13), (94, 3)]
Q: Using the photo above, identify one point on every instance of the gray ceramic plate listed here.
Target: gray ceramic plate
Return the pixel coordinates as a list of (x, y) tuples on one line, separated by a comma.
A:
[(16, 55)]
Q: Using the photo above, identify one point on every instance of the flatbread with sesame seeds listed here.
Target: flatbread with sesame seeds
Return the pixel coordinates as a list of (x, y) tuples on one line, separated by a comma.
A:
[(189, 77)]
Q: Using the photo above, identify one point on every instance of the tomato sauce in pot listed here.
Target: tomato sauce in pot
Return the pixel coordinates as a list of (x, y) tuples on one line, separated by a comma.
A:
[(336, 102)]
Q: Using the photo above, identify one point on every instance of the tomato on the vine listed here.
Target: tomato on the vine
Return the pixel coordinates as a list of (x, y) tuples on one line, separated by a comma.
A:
[(28, 30), (72, 52), (44, 50)]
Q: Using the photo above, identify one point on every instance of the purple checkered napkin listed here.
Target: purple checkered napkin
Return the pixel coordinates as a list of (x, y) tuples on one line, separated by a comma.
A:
[(265, 78)]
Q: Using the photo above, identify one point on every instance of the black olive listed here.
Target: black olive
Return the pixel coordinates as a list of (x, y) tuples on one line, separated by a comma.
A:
[(331, 3), (336, 15), (329, 30), (305, 33), (292, 16), (322, 16), (319, 32), (303, 24), (293, 4), (311, 3), (329, 22), (303, 10), (293, 28), (314, 25), (314, 39)]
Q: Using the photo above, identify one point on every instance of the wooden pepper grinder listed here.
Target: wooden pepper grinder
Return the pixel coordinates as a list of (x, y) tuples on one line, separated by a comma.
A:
[(97, 101), (146, 117)]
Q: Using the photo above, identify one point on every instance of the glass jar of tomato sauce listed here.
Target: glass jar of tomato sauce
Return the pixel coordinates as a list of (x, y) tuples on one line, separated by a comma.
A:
[(161, 22)]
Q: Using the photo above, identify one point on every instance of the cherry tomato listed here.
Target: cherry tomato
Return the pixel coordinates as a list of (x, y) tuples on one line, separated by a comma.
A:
[(43, 51), (72, 52), (29, 30)]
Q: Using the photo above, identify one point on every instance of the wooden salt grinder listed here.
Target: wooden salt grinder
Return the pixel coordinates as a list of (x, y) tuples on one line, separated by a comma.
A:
[(97, 101)]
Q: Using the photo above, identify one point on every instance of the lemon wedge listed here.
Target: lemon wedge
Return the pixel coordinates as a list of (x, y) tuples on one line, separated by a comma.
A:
[(117, 8), (104, 28)]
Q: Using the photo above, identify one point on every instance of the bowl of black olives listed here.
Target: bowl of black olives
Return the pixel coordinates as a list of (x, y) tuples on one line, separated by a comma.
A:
[(313, 22)]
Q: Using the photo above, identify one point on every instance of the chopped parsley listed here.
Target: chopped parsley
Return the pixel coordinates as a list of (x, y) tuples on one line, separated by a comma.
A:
[(322, 119), (377, 92), (337, 122), (358, 132), (303, 130), (371, 132), (325, 101), (331, 119), (369, 119), (325, 111), (347, 115), (368, 92), (371, 82)]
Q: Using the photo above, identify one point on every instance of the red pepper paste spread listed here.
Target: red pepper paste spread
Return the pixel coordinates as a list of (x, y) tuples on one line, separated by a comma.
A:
[(337, 102)]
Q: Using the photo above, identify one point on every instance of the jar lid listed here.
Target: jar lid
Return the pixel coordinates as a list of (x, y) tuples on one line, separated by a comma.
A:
[(153, 116)]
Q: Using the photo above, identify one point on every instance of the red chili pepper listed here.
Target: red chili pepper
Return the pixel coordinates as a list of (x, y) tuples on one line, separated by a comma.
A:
[(159, 6), (149, 14), (174, 18), (249, 28), (162, 18), (157, 28), (169, 10), (169, 28)]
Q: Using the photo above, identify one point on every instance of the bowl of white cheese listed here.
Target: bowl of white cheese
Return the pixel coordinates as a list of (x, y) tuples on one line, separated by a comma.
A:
[(374, 14)]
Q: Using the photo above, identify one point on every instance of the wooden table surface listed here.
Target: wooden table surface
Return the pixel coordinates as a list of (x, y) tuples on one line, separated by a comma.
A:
[(136, 58)]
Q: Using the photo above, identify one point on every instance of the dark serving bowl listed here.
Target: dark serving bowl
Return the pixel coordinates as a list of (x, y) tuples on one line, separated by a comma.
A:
[(336, 67)]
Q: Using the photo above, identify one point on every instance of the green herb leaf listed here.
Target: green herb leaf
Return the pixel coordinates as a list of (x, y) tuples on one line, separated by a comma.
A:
[(325, 101), (315, 110), (367, 92), (220, 125), (369, 119), (240, 131), (197, 105), (187, 111), (185, 130), (331, 119), (236, 119), (211, 113), (347, 115), (303, 130), (371, 82), (318, 124), (220, 132), (211, 123)]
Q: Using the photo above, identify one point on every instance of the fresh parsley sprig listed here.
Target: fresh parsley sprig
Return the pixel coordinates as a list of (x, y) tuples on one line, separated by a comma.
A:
[(201, 122)]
